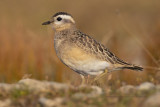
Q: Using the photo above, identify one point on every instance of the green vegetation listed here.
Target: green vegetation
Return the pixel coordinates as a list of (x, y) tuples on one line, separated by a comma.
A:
[(130, 29)]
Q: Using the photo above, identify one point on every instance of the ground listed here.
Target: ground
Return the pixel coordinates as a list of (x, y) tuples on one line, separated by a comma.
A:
[(34, 93)]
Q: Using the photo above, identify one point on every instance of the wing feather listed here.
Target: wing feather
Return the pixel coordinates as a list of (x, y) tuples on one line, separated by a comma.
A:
[(92, 46)]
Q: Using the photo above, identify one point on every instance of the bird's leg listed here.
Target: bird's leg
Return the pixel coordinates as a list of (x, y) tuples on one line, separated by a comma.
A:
[(88, 78), (83, 79), (101, 75)]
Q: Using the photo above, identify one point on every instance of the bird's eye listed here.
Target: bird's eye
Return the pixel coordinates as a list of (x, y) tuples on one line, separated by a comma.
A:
[(59, 18)]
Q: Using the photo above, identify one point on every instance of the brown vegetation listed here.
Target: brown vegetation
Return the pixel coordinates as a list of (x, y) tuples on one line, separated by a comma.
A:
[(130, 29)]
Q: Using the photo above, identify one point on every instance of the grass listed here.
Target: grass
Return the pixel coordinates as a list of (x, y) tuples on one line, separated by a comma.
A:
[(130, 31)]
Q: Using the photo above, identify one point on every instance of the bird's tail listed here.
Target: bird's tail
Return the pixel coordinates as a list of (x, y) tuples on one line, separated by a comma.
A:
[(133, 67)]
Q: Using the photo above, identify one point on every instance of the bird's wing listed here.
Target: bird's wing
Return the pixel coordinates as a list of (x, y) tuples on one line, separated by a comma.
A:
[(92, 46)]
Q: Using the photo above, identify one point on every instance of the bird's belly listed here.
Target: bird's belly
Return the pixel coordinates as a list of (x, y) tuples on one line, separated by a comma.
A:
[(83, 62), (91, 67)]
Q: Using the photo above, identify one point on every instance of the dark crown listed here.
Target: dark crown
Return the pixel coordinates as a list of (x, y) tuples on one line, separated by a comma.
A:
[(61, 13)]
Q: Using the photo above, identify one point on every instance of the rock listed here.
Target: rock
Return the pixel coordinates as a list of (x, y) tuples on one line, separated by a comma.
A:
[(158, 87), (42, 85), (35, 93), (153, 101), (127, 89), (5, 103), (45, 94), (5, 88), (95, 91), (57, 102), (146, 86)]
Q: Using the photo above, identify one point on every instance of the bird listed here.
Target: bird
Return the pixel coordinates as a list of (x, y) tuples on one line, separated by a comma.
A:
[(81, 52)]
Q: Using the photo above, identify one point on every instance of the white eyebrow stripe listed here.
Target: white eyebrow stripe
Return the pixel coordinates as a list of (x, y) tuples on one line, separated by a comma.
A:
[(66, 17)]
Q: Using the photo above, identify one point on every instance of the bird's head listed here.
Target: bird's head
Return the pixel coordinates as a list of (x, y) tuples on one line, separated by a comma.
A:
[(61, 21)]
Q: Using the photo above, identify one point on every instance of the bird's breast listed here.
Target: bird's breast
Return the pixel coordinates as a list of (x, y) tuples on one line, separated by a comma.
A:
[(79, 60)]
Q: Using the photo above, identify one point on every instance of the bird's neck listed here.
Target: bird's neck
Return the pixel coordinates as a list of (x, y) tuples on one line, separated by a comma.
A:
[(64, 34), (60, 38), (64, 27)]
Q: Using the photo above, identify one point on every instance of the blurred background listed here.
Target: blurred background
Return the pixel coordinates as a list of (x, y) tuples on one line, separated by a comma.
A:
[(129, 28)]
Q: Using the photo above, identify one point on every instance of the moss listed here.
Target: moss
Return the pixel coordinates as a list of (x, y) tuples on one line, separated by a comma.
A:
[(85, 89), (21, 95), (145, 93), (17, 93), (124, 101)]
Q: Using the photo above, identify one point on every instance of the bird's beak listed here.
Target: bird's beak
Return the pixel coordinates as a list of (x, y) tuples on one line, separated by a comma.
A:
[(46, 23)]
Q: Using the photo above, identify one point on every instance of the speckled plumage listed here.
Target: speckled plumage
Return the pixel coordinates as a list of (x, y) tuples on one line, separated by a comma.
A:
[(81, 52)]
